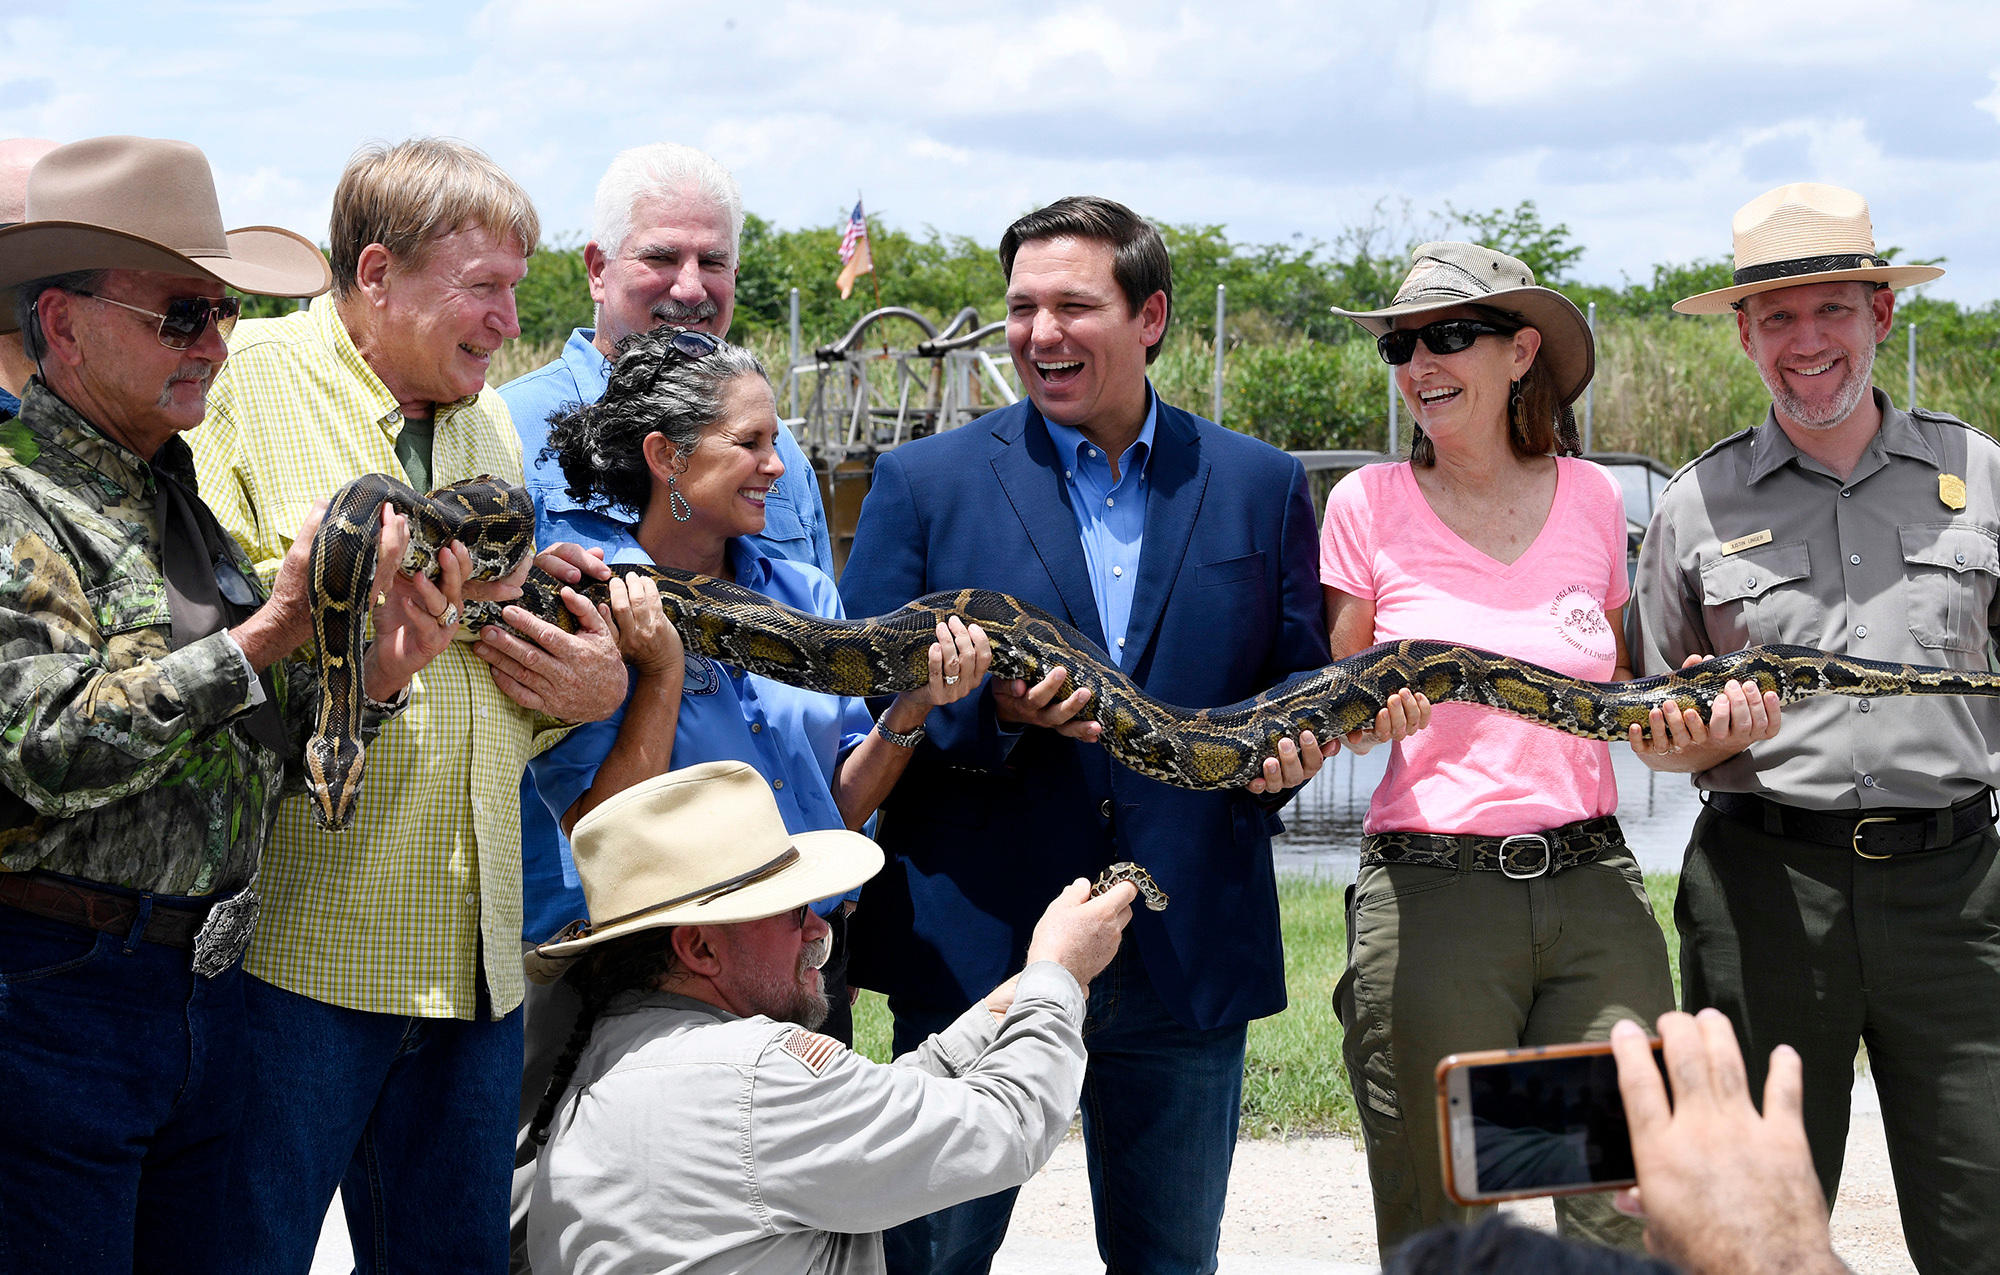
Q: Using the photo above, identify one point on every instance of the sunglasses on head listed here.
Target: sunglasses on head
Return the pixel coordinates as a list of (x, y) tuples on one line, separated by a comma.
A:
[(185, 319), (1446, 336), (691, 345)]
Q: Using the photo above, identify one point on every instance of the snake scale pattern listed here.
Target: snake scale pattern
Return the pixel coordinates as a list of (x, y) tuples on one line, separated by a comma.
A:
[(1210, 748)]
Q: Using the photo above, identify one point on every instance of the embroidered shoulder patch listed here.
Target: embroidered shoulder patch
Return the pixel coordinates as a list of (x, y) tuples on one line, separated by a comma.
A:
[(817, 1052), (701, 677)]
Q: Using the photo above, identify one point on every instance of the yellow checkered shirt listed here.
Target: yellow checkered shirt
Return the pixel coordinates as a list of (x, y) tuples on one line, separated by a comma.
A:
[(396, 914)]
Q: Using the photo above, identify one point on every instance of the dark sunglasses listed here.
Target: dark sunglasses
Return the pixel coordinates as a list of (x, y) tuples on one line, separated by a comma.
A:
[(691, 345), (186, 318), (1446, 336)]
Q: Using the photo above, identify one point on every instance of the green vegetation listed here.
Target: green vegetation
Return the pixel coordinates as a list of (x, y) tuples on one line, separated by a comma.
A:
[(1667, 385), (1294, 1082)]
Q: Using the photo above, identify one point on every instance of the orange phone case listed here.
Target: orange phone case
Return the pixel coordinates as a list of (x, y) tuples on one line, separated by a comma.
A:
[(1487, 1057)]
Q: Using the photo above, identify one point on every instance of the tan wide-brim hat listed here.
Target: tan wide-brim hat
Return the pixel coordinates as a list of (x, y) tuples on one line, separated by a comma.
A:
[(1443, 275), (1799, 234), (705, 845), (141, 203)]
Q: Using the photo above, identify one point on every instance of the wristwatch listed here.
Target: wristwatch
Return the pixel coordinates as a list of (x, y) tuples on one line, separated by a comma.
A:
[(901, 739)]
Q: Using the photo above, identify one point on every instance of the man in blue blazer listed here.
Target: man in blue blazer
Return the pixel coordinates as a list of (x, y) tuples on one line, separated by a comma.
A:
[(1190, 553)]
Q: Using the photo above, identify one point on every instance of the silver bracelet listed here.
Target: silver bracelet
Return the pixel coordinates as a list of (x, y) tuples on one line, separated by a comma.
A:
[(901, 739)]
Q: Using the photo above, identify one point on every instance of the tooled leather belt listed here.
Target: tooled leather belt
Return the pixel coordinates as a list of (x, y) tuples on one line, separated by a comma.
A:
[(1522, 856)]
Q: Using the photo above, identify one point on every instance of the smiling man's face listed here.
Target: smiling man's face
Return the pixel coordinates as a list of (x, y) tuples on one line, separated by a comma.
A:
[(442, 321), (1814, 345), (1078, 346)]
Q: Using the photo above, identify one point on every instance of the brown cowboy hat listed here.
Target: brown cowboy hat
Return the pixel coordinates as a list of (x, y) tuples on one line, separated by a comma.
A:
[(1443, 275), (141, 203), (1799, 234), (700, 846)]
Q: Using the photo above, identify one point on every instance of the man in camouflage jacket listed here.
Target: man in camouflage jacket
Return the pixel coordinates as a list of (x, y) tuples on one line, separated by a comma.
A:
[(145, 728)]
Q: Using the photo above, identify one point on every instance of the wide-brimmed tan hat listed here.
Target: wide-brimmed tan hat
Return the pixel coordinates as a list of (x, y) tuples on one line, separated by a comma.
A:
[(141, 203), (1443, 275), (704, 845), (1799, 234)]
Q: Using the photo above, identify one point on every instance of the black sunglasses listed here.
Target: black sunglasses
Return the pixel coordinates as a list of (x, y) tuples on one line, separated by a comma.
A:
[(691, 345), (1446, 336), (186, 318)]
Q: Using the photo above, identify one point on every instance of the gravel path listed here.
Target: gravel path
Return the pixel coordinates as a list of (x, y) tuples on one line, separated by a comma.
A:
[(1301, 1207)]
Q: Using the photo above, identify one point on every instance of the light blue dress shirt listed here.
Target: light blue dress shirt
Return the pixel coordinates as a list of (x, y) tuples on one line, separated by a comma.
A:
[(1110, 517)]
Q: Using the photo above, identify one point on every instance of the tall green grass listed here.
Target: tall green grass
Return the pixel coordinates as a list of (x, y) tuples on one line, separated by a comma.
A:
[(1293, 1080)]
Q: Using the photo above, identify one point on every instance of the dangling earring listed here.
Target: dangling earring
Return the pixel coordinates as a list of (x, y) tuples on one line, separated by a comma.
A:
[(676, 502), (1517, 416)]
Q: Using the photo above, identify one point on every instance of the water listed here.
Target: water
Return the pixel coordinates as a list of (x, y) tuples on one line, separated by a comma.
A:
[(1323, 825)]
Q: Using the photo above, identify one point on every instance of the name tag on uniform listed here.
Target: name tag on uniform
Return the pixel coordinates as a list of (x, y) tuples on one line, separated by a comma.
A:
[(1750, 541), (1951, 490)]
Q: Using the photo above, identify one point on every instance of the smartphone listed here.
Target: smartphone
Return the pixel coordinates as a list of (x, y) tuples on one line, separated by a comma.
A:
[(1539, 1121)]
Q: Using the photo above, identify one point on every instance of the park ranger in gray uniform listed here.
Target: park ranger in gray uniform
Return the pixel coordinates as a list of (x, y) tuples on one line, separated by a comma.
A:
[(1841, 888), (706, 1126)]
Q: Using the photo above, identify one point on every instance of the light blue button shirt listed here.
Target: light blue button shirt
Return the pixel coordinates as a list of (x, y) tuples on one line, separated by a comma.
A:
[(1110, 517)]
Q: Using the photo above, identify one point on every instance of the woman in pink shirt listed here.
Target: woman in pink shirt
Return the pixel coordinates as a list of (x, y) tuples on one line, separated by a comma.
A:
[(1497, 904)]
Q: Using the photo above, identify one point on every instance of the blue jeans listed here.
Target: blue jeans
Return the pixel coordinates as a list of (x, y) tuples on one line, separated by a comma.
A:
[(1161, 1103), (411, 1118), (123, 1074)]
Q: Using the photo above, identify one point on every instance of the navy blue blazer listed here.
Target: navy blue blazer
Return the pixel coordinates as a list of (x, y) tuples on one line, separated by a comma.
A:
[(986, 826)]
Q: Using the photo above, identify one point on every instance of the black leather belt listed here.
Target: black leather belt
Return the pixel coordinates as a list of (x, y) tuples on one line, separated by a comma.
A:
[(1523, 856), (1872, 834), (74, 903)]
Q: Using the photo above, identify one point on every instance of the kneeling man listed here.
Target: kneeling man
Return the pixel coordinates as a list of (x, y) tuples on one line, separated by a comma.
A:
[(704, 1124)]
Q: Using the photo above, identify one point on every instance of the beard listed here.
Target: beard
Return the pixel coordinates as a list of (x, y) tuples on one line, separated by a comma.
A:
[(799, 998), (1860, 367)]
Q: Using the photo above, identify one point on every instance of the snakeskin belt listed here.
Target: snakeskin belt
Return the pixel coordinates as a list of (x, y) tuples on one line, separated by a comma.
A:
[(1523, 856)]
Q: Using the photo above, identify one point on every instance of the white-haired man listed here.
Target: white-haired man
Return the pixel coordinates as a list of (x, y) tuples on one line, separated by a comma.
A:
[(668, 224), (1842, 887), (705, 1126)]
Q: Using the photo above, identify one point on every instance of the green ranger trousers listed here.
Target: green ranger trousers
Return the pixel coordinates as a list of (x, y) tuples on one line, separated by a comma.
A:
[(1816, 947), (1444, 961)]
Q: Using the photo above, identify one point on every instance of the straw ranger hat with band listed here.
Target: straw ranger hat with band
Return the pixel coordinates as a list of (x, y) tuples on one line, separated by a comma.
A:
[(1799, 234), (700, 846), (139, 203), (1443, 275)]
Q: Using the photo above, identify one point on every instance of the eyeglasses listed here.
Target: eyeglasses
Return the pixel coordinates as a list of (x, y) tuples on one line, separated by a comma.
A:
[(1447, 336), (691, 345), (186, 318)]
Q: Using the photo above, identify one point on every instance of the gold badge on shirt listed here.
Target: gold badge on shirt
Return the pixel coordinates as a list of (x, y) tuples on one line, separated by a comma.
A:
[(1951, 490), (1750, 541)]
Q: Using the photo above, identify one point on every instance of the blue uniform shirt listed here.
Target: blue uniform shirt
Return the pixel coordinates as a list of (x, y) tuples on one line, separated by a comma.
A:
[(794, 528), (1110, 518), (793, 737)]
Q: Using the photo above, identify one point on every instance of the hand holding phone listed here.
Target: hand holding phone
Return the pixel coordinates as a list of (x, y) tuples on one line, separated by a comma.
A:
[(1722, 1186)]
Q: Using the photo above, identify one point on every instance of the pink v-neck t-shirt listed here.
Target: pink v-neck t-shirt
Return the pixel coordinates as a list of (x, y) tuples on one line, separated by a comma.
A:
[(1476, 770)]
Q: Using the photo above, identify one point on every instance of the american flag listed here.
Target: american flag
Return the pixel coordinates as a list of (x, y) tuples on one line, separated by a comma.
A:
[(856, 234), (854, 251)]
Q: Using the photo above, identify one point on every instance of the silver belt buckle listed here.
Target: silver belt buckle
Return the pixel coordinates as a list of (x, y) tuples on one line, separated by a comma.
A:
[(225, 933), (1507, 868)]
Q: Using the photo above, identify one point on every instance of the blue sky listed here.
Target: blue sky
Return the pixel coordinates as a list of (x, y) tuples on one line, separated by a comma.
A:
[(1640, 126)]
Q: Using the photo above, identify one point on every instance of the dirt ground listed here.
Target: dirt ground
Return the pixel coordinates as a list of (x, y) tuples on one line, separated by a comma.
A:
[(1301, 1207)]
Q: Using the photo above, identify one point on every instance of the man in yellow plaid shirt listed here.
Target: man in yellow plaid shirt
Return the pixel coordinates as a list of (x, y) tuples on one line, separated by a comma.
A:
[(386, 972)]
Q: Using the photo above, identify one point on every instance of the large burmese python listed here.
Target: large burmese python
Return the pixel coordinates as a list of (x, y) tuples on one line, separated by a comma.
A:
[(1210, 748)]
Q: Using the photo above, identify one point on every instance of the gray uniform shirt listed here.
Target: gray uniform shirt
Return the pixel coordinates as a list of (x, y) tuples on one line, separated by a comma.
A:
[(1755, 543), (693, 1140)]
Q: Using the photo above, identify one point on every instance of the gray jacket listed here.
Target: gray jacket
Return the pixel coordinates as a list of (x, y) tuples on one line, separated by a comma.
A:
[(693, 1140)]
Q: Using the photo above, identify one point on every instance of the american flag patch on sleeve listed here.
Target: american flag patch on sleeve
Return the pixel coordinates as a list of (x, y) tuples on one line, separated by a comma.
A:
[(817, 1052)]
